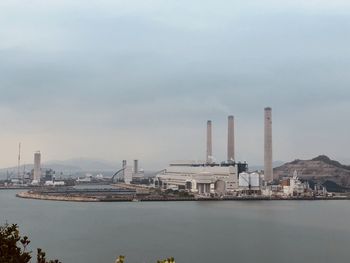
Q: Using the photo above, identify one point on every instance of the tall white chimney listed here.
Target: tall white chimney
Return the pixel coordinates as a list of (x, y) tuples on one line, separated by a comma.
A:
[(37, 166), (124, 164), (136, 166), (209, 143), (230, 139), (268, 170)]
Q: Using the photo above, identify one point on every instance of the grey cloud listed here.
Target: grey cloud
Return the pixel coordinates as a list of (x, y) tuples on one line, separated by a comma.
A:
[(128, 70)]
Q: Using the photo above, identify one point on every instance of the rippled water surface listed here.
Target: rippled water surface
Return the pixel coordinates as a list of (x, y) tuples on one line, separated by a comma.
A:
[(230, 231)]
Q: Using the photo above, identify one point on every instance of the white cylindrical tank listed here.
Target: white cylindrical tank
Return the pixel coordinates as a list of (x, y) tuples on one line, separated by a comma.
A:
[(254, 180), (220, 187), (244, 180)]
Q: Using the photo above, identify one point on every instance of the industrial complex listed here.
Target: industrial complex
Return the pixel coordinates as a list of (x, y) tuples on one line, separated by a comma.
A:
[(183, 180), (205, 177), (231, 178)]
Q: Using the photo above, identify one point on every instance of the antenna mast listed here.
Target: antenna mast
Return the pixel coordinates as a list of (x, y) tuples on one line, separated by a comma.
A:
[(24, 172)]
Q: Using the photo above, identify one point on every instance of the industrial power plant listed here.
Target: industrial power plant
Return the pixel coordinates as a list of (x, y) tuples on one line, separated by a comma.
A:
[(207, 176), (208, 179), (229, 177)]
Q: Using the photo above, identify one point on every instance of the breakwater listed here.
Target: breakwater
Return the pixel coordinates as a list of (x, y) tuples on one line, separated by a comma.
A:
[(40, 196), (123, 197)]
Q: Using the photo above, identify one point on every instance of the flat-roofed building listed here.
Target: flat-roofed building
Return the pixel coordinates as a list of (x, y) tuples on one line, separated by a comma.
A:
[(199, 177)]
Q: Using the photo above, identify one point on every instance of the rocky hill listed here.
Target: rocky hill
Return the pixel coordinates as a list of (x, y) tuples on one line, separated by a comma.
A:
[(321, 170)]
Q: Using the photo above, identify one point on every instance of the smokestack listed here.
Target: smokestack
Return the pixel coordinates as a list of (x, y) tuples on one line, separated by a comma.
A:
[(124, 166), (128, 174), (209, 143), (37, 166), (268, 170), (136, 166), (231, 140)]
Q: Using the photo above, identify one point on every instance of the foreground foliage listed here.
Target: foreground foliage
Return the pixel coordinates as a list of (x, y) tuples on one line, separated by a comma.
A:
[(13, 247)]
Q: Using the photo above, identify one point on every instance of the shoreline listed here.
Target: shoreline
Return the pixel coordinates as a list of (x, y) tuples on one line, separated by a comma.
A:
[(28, 195), (65, 198)]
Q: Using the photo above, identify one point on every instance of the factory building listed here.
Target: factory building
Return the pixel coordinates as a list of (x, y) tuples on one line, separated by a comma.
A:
[(54, 183), (200, 178), (293, 186), (204, 177), (127, 174), (232, 178), (131, 174)]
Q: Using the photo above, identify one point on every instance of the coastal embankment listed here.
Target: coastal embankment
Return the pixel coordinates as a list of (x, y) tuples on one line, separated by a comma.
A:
[(32, 195), (159, 198)]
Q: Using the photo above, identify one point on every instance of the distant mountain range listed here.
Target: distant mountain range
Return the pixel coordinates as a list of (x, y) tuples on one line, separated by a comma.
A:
[(68, 167), (321, 170), (85, 164)]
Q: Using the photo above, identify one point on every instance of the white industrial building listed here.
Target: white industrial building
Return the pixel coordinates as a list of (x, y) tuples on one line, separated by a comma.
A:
[(127, 173), (54, 183), (131, 174), (204, 177), (294, 187), (199, 178)]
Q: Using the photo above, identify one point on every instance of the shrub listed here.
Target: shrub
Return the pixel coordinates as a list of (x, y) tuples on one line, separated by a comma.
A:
[(13, 247)]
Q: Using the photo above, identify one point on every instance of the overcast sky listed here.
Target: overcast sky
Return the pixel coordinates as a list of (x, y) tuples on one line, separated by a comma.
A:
[(131, 79)]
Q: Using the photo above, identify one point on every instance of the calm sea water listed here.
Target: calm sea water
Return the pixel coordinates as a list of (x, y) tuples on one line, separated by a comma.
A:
[(264, 232)]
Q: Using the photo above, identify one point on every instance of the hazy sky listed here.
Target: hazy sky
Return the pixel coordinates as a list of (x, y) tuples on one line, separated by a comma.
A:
[(138, 79)]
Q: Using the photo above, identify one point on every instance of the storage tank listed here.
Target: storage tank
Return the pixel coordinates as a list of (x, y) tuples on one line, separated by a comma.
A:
[(254, 180), (249, 180), (220, 187), (243, 180)]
